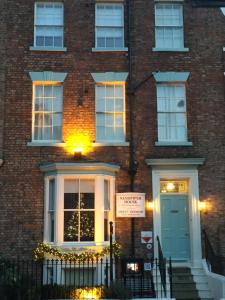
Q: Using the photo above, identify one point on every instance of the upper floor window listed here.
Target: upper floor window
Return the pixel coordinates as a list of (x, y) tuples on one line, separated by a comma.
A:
[(110, 112), (169, 26), (47, 112), (47, 107), (109, 22), (48, 25), (171, 110)]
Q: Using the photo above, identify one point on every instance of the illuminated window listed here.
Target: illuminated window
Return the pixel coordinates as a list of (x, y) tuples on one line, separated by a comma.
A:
[(47, 112), (48, 27), (173, 186), (79, 208), (110, 113), (171, 111), (109, 22), (169, 26)]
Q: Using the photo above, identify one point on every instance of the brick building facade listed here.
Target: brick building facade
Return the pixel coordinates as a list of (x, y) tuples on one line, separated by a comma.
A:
[(65, 84)]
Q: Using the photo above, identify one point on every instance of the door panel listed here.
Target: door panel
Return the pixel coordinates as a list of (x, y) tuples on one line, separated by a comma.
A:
[(175, 226)]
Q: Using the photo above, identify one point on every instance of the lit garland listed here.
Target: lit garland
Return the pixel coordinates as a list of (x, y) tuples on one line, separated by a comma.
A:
[(43, 249)]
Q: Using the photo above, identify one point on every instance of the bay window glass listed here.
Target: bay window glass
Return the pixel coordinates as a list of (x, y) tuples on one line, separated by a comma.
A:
[(79, 210), (171, 112), (47, 112), (169, 26), (110, 113), (106, 209), (109, 26), (48, 25), (51, 210)]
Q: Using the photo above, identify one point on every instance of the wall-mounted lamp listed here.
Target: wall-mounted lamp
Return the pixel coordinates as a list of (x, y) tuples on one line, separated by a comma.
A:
[(202, 206), (77, 152), (150, 205)]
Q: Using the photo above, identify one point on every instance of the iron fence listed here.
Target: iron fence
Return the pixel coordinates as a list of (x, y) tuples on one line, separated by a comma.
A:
[(60, 279)]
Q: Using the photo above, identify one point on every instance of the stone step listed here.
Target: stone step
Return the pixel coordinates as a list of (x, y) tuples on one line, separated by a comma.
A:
[(184, 287), (183, 270), (185, 294)]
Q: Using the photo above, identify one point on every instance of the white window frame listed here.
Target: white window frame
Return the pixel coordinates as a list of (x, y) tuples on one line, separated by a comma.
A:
[(45, 83), (48, 48), (59, 208), (124, 112), (122, 48), (174, 84), (157, 48)]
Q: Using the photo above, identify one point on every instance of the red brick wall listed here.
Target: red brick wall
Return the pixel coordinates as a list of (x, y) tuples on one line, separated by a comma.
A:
[(21, 181)]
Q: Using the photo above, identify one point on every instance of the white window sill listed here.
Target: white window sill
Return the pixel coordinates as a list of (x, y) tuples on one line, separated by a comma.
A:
[(109, 144), (124, 49), (51, 49), (46, 144), (170, 49), (173, 144), (80, 244), (223, 48)]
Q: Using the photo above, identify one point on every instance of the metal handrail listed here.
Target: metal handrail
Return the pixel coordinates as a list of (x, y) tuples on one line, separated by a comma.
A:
[(215, 262), (162, 266)]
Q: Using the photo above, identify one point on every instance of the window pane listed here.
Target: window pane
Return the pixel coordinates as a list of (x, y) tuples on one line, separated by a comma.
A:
[(110, 91), (57, 133), (37, 133), (119, 105), (51, 226), (106, 226), (51, 208), (109, 105), (47, 120), (38, 121), (119, 120), (119, 134), (71, 225), (71, 190), (87, 199), (47, 133), (106, 195), (87, 226)]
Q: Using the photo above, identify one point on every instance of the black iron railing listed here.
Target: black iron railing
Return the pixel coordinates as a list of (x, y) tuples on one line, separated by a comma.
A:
[(60, 279), (53, 279), (161, 267), (216, 263)]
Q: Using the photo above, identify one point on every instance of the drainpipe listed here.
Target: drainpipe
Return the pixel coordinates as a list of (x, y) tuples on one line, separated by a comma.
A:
[(130, 95)]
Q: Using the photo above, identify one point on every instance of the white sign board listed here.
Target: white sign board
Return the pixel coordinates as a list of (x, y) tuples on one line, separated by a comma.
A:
[(146, 237), (130, 205)]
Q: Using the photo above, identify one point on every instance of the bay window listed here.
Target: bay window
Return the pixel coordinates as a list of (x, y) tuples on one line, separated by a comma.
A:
[(78, 207)]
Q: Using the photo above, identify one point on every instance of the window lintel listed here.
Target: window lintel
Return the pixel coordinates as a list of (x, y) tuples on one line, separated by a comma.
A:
[(80, 168)]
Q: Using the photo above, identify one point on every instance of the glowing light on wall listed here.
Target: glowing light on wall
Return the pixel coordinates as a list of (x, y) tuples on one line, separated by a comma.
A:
[(87, 293), (150, 205), (202, 206), (78, 142)]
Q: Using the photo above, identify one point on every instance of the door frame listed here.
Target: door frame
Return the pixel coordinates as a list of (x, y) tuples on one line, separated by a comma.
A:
[(180, 169)]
